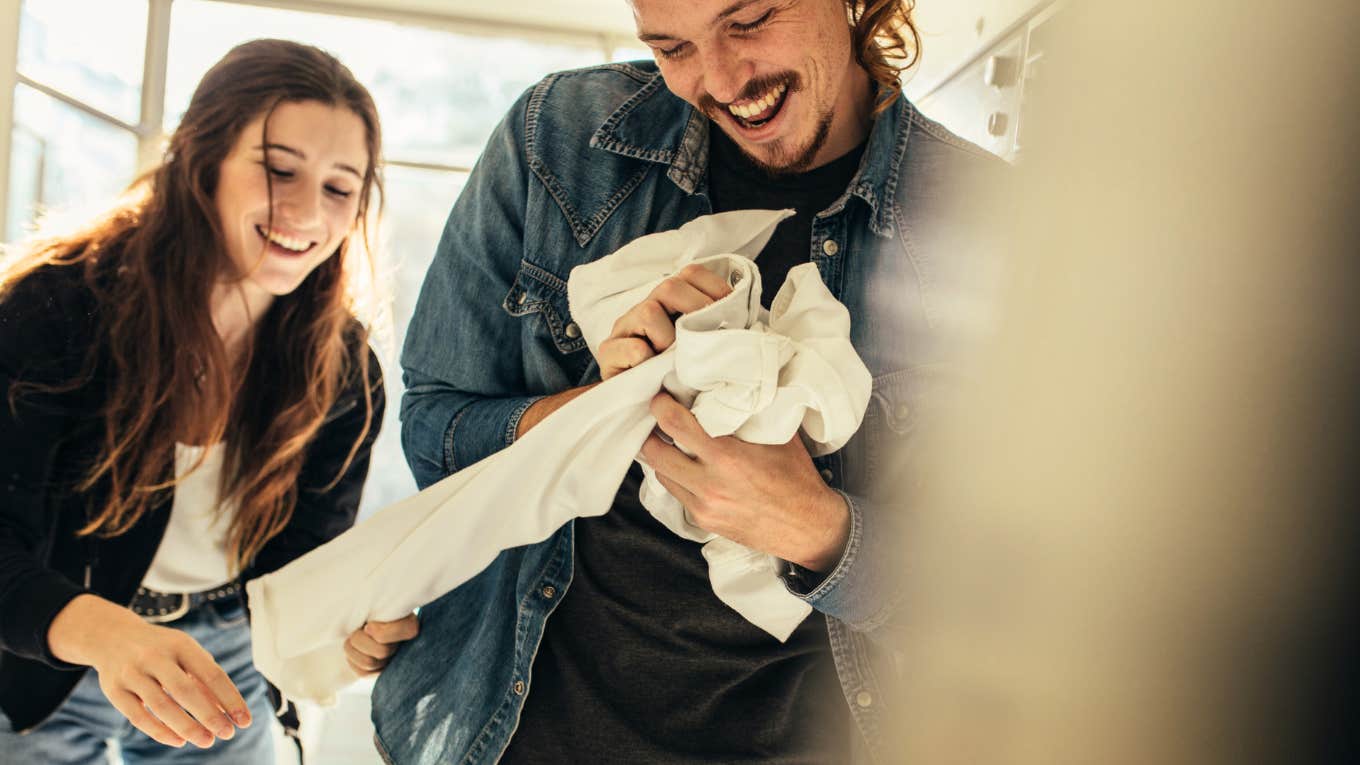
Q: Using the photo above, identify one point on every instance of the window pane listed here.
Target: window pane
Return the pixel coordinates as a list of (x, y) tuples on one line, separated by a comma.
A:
[(63, 160), (439, 99), (25, 181), (90, 51), (417, 205)]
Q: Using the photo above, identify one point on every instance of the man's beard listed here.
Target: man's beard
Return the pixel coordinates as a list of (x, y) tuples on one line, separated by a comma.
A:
[(785, 161)]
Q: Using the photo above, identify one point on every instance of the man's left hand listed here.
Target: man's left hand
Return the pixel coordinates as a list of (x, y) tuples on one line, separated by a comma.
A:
[(370, 647), (766, 497)]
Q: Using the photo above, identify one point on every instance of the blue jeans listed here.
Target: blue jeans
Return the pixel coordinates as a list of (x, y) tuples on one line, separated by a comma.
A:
[(81, 731)]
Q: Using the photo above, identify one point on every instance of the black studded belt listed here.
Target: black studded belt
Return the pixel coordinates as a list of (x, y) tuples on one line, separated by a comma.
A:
[(161, 607)]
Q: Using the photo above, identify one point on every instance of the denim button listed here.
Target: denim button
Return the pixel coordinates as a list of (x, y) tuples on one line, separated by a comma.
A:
[(573, 331), (548, 591), (864, 699), (827, 475), (519, 687), (830, 247)]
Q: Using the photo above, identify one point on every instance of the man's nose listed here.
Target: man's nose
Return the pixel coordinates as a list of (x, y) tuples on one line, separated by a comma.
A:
[(726, 72)]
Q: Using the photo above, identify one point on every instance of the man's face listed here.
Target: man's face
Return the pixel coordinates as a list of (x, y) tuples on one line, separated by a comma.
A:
[(777, 76)]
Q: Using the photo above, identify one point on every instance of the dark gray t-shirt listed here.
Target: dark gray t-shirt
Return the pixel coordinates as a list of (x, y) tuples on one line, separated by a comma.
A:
[(641, 663)]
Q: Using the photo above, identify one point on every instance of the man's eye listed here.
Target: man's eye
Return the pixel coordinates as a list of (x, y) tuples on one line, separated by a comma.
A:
[(675, 52), (754, 25), (279, 173)]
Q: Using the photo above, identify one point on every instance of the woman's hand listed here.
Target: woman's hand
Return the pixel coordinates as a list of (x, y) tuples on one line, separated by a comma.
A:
[(369, 647), (161, 679)]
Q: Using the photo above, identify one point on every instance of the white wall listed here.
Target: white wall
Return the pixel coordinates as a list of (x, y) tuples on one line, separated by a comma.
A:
[(953, 31)]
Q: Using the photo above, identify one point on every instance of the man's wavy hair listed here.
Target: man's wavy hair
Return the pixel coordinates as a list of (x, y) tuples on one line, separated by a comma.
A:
[(152, 263), (885, 42)]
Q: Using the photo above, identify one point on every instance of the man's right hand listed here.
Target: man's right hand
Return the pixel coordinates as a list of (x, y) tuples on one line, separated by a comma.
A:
[(161, 679), (648, 328)]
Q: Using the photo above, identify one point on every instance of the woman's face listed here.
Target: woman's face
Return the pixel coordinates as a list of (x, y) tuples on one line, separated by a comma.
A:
[(317, 155)]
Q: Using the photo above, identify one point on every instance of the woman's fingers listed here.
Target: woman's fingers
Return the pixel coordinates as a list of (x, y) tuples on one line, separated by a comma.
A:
[(193, 697), (169, 712), (172, 689), (130, 706), (222, 691)]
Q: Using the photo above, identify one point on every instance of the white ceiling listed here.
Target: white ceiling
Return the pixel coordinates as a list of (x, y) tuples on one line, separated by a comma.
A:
[(951, 30), (611, 17)]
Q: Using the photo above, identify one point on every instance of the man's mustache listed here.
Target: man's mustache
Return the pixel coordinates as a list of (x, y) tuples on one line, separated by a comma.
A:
[(754, 89)]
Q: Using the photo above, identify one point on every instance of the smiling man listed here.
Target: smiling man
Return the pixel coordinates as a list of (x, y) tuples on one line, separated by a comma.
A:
[(792, 96), (605, 642)]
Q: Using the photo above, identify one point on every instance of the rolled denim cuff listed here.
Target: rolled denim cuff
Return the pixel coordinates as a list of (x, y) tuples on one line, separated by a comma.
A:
[(483, 428), (861, 588)]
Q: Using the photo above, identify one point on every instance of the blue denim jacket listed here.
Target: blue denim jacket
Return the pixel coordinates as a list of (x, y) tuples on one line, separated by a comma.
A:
[(585, 162)]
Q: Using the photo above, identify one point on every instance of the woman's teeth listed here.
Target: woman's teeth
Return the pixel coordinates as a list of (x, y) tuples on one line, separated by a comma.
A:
[(290, 243), (750, 109)]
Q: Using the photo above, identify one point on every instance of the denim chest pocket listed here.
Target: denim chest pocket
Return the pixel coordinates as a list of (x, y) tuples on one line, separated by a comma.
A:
[(897, 404), (538, 293), (555, 353)]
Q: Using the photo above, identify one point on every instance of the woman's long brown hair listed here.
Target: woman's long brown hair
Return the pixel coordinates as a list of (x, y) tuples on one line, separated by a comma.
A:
[(885, 42), (152, 264)]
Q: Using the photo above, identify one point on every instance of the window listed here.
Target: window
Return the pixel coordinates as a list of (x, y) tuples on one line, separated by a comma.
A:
[(77, 103), (98, 60), (439, 99), (63, 158), (632, 52)]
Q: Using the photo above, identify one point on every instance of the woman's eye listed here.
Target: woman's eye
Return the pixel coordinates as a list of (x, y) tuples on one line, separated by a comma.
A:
[(342, 193), (280, 173)]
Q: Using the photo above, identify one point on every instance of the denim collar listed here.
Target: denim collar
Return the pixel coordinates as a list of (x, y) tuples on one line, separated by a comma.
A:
[(654, 125)]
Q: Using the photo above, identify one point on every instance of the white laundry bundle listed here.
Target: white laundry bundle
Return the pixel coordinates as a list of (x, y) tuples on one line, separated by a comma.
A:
[(760, 376)]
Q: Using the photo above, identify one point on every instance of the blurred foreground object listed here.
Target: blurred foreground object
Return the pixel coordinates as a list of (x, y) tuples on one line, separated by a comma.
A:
[(1132, 543)]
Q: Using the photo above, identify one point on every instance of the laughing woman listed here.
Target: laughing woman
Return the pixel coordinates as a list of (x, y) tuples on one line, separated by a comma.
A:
[(186, 402)]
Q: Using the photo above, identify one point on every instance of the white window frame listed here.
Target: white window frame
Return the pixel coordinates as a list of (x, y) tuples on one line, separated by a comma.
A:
[(9, 79)]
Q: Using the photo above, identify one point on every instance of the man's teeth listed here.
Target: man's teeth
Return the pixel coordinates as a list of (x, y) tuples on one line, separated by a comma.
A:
[(287, 242), (750, 109)]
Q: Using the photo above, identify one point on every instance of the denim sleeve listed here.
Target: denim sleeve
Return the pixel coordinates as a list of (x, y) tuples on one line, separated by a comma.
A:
[(861, 589), (462, 365)]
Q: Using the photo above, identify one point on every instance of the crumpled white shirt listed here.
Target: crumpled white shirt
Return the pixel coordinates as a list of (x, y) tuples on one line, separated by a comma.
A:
[(759, 375)]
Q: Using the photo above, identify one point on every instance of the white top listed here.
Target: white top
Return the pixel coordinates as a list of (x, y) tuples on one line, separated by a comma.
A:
[(193, 554), (760, 376)]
